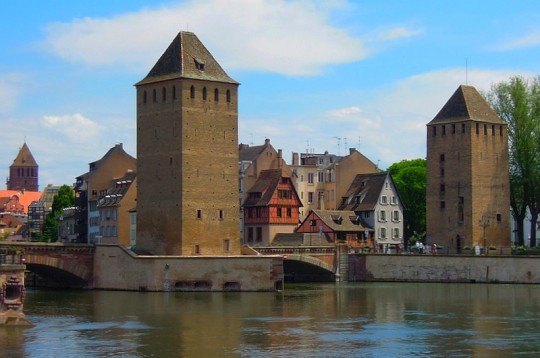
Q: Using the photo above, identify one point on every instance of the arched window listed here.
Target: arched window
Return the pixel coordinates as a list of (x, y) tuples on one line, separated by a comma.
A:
[(216, 95), (228, 96), (174, 93), (204, 95), (163, 94), (154, 95), (192, 93), (144, 97)]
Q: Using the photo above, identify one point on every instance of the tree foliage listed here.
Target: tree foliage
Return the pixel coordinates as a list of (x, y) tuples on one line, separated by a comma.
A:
[(410, 179), (64, 199), (517, 102)]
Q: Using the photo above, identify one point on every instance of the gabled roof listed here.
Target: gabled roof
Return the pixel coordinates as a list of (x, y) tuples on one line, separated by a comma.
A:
[(118, 187), (367, 188), (186, 57), (342, 220), (466, 104), (266, 184), (24, 158), (25, 197), (250, 153)]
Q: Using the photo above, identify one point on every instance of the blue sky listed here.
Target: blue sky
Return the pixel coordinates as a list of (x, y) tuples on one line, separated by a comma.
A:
[(315, 75)]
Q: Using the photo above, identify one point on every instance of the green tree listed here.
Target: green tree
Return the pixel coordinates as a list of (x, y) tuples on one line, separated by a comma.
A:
[(410, 179), (64, 199), (517, 102)]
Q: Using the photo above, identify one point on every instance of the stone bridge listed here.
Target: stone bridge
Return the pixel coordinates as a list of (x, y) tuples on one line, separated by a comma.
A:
[(310, 263), (62, 265)]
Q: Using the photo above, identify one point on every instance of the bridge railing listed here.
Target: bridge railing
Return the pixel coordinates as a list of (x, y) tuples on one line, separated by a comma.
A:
[(284, 250), (12, 259)]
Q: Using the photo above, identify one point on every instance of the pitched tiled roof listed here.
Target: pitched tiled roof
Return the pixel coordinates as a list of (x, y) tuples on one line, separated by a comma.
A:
[(25, 197), (24, 158), (466, 104), (250, 153), (342, 220), (186, 57), (367, 188), (266, 184), (116, 191)]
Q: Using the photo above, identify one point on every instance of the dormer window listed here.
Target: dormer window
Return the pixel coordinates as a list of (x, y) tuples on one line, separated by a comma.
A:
[(199, 65)]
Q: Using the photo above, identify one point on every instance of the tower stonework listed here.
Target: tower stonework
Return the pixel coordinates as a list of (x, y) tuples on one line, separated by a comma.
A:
[(187, 154), (468, 189), (23, 173)]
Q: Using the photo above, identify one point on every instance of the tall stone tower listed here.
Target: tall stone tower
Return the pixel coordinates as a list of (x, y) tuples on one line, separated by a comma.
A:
[(468, 189), (23, 173), (187, 154)]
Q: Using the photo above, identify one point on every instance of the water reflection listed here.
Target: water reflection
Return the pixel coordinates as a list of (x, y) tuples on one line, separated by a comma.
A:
[(318, 320)]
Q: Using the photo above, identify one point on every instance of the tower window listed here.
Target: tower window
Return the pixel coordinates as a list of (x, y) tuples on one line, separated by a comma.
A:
[(442, 204), (492, 129), (443, 129), (442, 188), (204, 93), (462, 127), (500, 131), (144, 97), (174, 93), (199, 214), (477, 128), (434, 130), (154, 95), (228, 96), (441, 158), (216, 95), (499, 218), (453, 129), (192, 92), (485, 129), (163, 94)]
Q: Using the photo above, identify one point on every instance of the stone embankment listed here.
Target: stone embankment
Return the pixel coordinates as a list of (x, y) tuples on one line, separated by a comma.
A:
[(444, 268)]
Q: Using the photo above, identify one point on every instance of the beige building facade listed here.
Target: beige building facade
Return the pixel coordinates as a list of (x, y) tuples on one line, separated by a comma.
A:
[(468, 200), (321, 180)]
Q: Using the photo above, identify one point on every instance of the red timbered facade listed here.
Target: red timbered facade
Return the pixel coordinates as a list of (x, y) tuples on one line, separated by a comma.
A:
[(271, 207)]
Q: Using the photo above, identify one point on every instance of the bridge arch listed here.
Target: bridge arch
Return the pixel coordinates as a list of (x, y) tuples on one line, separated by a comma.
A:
[(304, 268), (68, 265)]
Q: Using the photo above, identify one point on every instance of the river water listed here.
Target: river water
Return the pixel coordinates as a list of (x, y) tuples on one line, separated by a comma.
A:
[(308, 320)]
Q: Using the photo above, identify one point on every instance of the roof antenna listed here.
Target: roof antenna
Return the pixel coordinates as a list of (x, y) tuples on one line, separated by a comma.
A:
[(466, 71)]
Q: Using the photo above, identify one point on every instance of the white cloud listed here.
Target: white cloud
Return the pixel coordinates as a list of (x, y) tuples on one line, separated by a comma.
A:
[(387, 124), (287, 37), (75, 128), (531, 39), (397, 33)]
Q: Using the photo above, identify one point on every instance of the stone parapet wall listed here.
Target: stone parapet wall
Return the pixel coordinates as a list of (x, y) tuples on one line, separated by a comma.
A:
[(438, 268), (120, 269)]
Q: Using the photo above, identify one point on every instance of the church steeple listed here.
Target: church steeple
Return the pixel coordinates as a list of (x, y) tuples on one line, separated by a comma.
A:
[(23, 173)]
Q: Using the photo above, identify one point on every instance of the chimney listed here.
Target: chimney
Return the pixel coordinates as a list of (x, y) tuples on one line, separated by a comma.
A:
[(295, 158), (267, 141), (352, 150), (280, 158)]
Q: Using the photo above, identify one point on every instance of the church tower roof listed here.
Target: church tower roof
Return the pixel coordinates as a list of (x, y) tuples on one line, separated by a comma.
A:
[(24, 158), (466, 104), (186, 57)]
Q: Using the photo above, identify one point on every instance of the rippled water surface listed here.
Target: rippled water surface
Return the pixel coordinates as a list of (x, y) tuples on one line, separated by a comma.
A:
[(311, 320)]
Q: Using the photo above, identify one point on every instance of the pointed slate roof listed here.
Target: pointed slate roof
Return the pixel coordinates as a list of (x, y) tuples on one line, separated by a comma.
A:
[(466, 104), (367, 188), (186, 57), (24, 158)]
